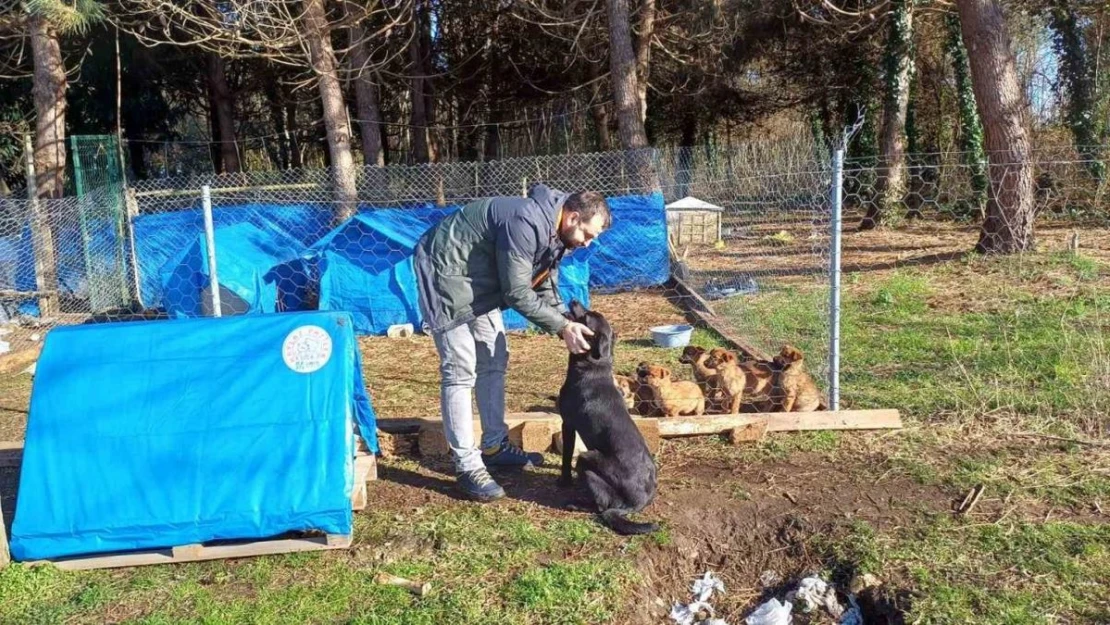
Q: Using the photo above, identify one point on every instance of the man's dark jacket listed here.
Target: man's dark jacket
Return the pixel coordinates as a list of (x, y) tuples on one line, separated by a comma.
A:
[(494, 253)]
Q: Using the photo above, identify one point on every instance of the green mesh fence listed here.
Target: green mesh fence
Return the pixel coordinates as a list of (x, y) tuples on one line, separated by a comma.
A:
[(100, 185)]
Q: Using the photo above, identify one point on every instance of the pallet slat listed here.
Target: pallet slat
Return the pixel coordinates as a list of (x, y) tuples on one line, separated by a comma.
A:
[(672, 427), (198, 553)]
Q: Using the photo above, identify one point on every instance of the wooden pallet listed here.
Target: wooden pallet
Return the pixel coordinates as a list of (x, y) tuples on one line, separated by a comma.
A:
[(198, 553), (365, 471)]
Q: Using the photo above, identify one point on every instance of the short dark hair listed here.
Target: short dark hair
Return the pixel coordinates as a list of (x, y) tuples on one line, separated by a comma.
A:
[(589, 204)]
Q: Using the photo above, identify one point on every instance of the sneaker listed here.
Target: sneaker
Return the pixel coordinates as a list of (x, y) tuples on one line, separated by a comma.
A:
[(478, 485), (508, 455)]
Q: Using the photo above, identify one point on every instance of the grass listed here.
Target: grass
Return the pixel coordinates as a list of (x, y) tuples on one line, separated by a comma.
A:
[(972, 351), (1026, 573), (906, 343), (486, 565)]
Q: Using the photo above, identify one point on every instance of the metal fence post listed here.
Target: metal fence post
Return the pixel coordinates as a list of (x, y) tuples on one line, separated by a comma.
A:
[(210, 241), (834, 278)]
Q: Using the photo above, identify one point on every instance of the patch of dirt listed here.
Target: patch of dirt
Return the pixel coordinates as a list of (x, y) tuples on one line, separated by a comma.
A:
[(741, 521), (403, 374), (737, 518)]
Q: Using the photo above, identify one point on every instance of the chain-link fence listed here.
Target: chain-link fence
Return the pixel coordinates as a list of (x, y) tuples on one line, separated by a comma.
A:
[(742, 237)]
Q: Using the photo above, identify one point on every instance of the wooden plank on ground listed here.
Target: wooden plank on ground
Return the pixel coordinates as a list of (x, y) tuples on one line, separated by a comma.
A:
[(674, 427), (197, 553), (703, 313)]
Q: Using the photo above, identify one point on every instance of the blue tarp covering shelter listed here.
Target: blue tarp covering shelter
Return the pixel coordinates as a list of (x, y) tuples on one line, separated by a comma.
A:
[(633, 253), (163, 236), (246, 252), (365, 266), (152, 434)]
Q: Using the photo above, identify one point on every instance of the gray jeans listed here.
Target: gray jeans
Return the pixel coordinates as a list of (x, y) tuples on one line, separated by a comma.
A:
[(473, 357)]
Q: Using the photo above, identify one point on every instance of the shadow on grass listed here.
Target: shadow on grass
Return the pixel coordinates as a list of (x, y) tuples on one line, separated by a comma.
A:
[(532, 487)]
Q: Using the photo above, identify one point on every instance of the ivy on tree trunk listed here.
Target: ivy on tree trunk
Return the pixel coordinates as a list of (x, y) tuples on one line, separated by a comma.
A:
[(971, 127)]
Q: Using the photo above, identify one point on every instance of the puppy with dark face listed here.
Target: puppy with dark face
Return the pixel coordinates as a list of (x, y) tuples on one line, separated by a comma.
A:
[(792, 389), (617, 469)]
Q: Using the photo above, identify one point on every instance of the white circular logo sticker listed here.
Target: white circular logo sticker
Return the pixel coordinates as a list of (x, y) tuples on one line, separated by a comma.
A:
[(306, 349)]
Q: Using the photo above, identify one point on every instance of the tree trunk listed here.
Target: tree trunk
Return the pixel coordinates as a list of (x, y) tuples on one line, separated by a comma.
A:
[(600, 114), (622, 75), (318, 35), (600, 111), (1008, 226), (277, 118), (418, 114), (291, 131), (971, 127), (643, 54), (50, 109), (898, 59), (493, 136), (366, 99), (223, 112)]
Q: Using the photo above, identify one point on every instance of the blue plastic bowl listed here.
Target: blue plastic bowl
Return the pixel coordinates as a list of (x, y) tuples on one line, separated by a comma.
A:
[(672, 336)]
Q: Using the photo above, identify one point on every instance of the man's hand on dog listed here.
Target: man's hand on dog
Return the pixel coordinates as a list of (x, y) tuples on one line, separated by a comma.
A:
[(575, 335)]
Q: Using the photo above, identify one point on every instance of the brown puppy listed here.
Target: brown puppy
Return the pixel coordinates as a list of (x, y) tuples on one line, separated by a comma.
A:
[(628, 386), (730, 379), (673, 398), (792, 389), (705, 376)]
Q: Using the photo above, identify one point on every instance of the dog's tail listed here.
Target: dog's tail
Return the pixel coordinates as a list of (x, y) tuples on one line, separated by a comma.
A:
[(620, 524)]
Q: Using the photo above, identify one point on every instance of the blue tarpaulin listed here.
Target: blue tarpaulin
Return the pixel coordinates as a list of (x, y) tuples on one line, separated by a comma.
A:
[(633, 253), (365, 266), (148, 435), (246, 252), (163, 236)]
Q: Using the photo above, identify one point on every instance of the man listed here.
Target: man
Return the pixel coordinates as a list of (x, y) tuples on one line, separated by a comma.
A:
[(496, 253)]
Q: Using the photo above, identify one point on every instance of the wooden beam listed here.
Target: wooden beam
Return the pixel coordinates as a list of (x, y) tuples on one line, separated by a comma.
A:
[(702, 313), (164, 193), (17, 294), (675, 427), (197, 553)]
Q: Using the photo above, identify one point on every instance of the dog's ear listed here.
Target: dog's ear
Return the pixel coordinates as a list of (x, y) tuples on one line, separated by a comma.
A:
[(577, 310), (601, 346), (664, 373), (728, 357)]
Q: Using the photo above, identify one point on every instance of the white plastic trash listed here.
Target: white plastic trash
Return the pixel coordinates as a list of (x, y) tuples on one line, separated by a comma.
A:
[(771, 613), (400, 331)]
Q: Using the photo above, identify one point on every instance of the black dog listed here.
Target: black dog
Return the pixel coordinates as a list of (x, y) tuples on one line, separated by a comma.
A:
[(618, 469)]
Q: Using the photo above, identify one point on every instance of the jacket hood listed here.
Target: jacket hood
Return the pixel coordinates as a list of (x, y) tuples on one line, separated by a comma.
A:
[(550, 200)]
